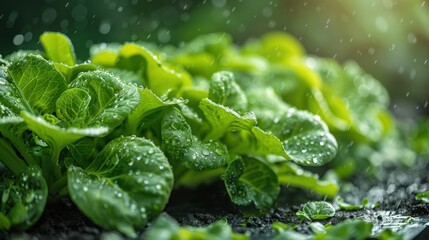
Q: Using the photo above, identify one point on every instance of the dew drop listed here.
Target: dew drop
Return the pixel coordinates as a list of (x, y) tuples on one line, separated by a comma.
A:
[(205, 152), (219, 152)]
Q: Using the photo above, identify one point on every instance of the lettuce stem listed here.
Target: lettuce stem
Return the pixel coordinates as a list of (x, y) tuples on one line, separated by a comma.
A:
[(10, 159), (20, 146), (58, 186)]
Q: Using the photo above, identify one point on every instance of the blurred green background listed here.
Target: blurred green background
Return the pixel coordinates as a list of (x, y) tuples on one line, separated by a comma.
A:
[(388, 38)]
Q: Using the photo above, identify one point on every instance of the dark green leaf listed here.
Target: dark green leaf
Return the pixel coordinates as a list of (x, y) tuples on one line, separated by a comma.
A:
[(128, 183), (250, 180), (23, 198), (181, 146), (149, 104)]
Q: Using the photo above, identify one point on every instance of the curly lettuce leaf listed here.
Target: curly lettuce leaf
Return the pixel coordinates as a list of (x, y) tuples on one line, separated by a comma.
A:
[(224, 90), (23, 199), (128, 183), (94, 104), (250, 180), (149, 104), (305, 137), (296, 135), (181, 146), (38, 84), (156, 74), (240, 133)]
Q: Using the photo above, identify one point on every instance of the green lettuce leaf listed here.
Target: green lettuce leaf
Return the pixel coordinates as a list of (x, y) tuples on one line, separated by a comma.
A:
[(250, 180), (166, 228), (128, 183), (23, 199), (181, 146), (240, 133), (149, 104), (290, 174), (224, 90), (58, 48), (423, 196), (296, 135), (157, 75), (317, 210), (38, 84)]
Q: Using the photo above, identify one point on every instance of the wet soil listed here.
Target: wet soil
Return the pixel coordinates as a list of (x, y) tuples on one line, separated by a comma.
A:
[(393, 189)]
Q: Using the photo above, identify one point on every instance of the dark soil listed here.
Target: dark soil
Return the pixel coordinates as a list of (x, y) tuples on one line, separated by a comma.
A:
[(393, 189)]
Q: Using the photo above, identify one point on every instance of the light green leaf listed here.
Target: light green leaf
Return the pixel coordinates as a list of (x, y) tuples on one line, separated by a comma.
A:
[(317, 228), (23, 198), (58, 48), (149, 104), (239, 133), (71, 72), (156, 74), (290, 174), (111, 100), (38, 82), (277, 47), (250, 180), (128, 183), (224, 90), (317, 210), (56, 136), (351, 207), (349, 229), (181, 146), (423, 196), (166, 228)]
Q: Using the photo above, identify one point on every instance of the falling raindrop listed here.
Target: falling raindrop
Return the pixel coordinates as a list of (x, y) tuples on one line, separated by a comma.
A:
[(18, 39), (104, 27)]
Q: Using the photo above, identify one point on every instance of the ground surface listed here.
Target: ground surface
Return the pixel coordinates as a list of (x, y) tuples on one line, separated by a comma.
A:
[(394, 190)]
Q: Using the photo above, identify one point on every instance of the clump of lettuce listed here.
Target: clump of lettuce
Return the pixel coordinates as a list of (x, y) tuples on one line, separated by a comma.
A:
[(118, 132)]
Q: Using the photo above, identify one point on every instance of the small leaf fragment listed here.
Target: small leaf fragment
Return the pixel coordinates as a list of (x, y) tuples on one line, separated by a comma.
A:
[(316, 210)]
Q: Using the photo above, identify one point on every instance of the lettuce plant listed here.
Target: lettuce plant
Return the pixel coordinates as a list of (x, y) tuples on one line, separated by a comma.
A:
[(117, 133)]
